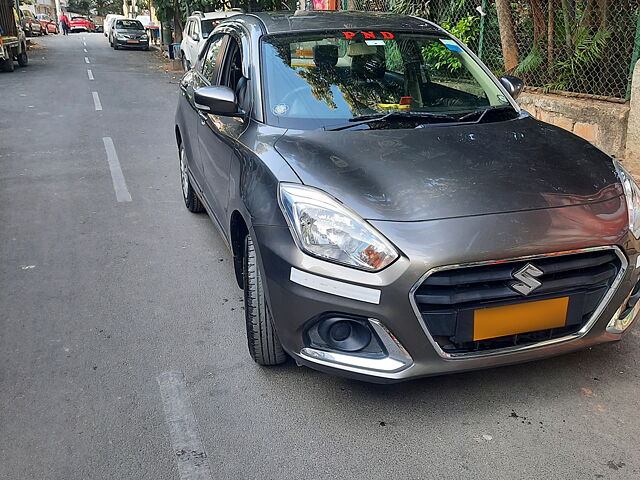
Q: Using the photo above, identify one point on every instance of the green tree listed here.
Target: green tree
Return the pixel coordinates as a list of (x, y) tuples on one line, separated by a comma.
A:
[(98, 7), (80, 6)]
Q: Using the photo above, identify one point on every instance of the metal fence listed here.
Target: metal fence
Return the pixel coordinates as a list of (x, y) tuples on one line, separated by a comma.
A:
[(581, 46)]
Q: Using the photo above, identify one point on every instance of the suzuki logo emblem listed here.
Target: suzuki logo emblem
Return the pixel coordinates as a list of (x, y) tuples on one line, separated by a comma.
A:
[(528, 281)]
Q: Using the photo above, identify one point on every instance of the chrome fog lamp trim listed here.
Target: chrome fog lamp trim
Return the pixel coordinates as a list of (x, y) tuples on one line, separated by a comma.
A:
[(522, 348), (397, 358), (617, 325)]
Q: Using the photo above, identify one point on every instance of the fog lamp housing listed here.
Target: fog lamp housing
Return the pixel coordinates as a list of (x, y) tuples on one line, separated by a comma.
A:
[(355, 344), (627, 312)]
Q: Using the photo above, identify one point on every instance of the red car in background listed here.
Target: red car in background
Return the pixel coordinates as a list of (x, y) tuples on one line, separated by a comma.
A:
[(79, 23), (48, 25)]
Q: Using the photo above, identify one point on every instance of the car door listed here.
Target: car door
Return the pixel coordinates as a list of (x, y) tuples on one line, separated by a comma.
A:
[(201, 76), (194, 41), (186, 42), (218, 136)]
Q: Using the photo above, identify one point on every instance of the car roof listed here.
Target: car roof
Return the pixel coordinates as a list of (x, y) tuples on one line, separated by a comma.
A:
[(215, 15), (303, 20)]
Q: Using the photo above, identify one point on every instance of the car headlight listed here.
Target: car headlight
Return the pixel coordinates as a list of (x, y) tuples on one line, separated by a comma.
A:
[(325, 228), (120, 36), (632, 195), (143, 37)]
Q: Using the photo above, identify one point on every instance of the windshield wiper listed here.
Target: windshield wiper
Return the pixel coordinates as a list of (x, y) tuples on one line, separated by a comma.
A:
[(481, 113), (383, 117)]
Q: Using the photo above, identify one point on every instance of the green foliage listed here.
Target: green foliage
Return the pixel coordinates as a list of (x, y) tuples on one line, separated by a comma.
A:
[(440, 57), (588, 51), (531, 63), (99, 7), (80, 6)]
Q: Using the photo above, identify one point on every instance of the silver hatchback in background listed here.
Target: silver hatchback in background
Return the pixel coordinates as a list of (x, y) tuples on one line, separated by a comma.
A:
[(196, 31)]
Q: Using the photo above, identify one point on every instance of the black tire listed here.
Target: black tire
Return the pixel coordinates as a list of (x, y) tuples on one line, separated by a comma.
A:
[(23, 60), (115, 47), (7, 65), (191, 200), (262, 340), (186, 66)]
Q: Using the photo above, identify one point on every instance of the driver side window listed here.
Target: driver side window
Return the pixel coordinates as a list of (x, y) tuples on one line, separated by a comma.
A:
[(210, 61), (232, 75)]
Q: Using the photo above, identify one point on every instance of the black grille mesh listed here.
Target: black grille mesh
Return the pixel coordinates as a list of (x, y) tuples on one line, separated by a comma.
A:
[(446, 299)]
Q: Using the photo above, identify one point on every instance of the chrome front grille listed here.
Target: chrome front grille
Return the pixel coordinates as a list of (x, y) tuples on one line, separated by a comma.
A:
[(446, 299)]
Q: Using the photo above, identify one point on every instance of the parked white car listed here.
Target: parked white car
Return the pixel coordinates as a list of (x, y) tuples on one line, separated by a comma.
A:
[(196, 30), (108, 23)]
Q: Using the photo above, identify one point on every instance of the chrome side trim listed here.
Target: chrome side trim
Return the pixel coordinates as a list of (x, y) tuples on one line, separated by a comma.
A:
[(521, 348), (397, 359)]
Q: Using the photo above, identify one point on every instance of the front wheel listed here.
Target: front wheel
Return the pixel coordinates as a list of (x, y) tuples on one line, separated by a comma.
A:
[(191, 200), (23, 60), (264, 346), (186, 66)]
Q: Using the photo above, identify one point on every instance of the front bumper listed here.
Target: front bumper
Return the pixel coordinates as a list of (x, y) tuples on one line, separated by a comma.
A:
[(296, 304), (127, 43)]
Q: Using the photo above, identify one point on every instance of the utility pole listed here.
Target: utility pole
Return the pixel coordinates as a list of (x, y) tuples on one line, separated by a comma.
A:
[(58, 10)]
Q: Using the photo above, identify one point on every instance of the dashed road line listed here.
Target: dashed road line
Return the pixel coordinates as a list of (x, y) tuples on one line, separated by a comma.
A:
[(119, 184), (90, 74), (85, 50), (86, 60), (96, 101), (183, 428)]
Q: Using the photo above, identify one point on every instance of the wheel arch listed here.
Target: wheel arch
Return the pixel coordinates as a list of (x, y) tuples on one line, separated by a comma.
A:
[(178, 136), (238, 230)]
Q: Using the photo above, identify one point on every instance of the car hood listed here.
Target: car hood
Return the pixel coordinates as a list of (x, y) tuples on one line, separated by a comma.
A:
[(452, 171)]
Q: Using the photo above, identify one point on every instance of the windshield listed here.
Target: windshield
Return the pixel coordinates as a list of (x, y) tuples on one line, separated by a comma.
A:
[(129, 25), (208, 26), (79, 19), (319, 79)]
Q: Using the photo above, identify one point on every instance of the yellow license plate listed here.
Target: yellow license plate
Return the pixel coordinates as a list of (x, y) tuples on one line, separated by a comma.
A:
[(132, 41), (520, 318)]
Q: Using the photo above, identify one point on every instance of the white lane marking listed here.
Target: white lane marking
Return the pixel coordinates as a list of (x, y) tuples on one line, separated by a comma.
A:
[(86, 60), (334, 287), (183, 428), (90, 74), (96, 101), (85, 50), (84, 43), (119, 185)]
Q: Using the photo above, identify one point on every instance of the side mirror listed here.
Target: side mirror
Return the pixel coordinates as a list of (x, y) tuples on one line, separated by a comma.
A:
[(195, 37), (513, 85), (217, 101)]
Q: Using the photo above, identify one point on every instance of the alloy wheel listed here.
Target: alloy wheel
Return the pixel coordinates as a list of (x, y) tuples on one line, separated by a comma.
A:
[(184, 177)]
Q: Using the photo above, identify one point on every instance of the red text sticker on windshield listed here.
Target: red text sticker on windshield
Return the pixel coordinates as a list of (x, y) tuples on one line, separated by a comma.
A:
[(369, 35)]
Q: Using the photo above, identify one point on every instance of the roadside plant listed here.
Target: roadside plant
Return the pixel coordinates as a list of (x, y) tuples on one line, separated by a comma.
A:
[(440, 57)]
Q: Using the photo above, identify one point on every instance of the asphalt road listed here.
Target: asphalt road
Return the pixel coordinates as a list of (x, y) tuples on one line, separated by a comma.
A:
[(100, 298)]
